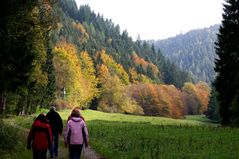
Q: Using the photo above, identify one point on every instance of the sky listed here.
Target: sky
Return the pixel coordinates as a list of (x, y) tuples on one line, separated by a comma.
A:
[(158, 19)]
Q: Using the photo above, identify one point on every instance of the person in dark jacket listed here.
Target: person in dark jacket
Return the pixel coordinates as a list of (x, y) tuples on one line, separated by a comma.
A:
[(39, 137), (56, 127)]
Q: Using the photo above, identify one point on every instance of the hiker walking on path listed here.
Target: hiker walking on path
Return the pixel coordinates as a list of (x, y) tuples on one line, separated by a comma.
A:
[(69, 117), (40, 137), (56, 127), (76, 134)]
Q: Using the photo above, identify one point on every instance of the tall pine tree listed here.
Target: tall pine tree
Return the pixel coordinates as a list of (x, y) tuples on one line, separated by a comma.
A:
[(227, 65)]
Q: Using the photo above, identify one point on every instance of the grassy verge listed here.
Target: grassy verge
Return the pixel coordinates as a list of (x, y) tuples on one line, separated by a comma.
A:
[(116, 140), (12, 143), (119, 136)]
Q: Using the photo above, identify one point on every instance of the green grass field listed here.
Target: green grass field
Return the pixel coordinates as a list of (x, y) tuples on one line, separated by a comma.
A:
[(118, 136)]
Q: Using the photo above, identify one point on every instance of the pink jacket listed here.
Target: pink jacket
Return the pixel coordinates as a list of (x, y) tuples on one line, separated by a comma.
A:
[(73, 134)]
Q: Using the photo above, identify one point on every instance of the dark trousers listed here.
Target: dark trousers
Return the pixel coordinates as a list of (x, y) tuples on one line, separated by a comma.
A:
[(75, 151), (54, 146), (39, 154)]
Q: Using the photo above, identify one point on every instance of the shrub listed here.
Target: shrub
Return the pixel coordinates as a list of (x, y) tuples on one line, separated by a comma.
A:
[(8, 137)]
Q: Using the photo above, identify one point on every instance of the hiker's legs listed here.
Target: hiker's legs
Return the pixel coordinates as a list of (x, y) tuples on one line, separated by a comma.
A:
[(43, 154), (39, 154), (35, 154), (54, 146), (75, 151), (55, 141)]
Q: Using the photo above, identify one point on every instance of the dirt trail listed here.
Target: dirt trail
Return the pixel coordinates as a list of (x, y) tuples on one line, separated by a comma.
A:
[(87, 153), (91, 154)]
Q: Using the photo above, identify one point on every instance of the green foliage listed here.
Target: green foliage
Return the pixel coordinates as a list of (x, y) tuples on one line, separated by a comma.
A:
[(193, 52), (172, 75), (12, 144), (103, 34), (49, 94), (16, 56), (227, 67), (25, 27), (7, 137), (213, 107), (76, 58)]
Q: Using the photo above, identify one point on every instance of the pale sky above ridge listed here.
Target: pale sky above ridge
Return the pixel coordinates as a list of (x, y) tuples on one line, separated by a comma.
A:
[(158, 19)]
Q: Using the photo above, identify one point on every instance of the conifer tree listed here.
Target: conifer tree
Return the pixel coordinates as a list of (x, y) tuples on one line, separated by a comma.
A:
[(212, 112), (227, 64)]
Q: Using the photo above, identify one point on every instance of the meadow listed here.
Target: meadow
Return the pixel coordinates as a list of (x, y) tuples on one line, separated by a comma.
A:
[(120, 136)]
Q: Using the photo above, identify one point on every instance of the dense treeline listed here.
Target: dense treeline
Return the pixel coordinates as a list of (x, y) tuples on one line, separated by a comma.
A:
[(82, 59), (227, 64), (193, 51), (96, 33), (24, 58)]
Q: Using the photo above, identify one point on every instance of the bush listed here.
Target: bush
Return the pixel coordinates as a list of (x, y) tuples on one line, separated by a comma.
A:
[(12, 143), (8, 137)]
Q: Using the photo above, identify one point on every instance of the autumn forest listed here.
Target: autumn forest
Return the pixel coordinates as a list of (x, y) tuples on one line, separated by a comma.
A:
[(54, 52)]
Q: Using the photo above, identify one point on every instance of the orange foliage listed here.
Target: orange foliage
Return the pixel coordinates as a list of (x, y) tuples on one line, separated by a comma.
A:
[(138, 61), (203, 92), (196, 96), (47, 5), (162, 100), (80, 27), (168, 101)]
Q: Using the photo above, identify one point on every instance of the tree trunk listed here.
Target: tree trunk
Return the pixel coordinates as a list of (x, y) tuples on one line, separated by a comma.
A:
[(2, 100)]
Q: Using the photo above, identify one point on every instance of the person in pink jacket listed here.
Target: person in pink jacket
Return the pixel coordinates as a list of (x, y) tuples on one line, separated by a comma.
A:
[(76, 134)]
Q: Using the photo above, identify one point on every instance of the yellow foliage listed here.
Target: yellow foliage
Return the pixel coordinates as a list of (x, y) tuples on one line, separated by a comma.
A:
[(114, 68), (59, 26), (138, 78), (90, 81), (114, 98), (70, 75)]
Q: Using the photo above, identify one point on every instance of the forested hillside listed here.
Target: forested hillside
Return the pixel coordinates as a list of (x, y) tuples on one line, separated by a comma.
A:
[(78, 58), (193, 52)]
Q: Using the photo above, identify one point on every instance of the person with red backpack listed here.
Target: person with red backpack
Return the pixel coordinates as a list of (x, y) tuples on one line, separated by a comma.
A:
[(40, 137)]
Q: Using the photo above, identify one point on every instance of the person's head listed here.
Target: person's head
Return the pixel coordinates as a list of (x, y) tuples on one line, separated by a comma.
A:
[(75, 113), (52, 108), (42, 118)]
